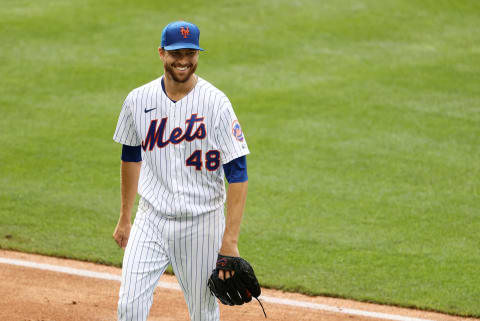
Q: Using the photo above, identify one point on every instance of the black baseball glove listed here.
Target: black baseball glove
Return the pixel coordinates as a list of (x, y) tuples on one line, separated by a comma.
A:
[(239, 288)]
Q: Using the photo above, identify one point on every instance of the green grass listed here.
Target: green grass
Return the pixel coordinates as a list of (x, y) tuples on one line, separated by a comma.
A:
[(363, 118)]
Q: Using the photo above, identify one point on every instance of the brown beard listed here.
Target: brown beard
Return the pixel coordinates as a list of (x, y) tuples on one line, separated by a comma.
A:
[(170, 70)]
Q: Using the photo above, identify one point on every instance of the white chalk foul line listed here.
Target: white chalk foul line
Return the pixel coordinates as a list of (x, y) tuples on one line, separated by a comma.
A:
[(167, 285), (78, 272), (329, 308)]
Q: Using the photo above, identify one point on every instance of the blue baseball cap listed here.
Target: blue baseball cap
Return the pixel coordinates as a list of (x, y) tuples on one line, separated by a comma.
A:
[(181, 35)]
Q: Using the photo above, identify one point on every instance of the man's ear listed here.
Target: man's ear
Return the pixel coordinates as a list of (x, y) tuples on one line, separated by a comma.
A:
[(161, 52)]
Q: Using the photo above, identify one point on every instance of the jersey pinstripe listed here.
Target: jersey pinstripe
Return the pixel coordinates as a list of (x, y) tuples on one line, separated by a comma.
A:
[(183, 144)]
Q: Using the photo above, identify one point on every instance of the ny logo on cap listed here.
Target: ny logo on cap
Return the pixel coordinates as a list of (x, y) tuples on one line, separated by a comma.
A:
[(185, 32)]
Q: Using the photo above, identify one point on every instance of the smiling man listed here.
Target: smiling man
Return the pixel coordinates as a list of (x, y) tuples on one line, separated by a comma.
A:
[(180, 138)]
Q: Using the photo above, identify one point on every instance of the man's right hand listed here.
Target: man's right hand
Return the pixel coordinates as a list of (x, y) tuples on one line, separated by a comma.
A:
[(130, 172), (122, 233)]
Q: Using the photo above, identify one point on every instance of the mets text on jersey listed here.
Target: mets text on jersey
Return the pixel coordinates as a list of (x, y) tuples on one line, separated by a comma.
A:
[(155, 136)]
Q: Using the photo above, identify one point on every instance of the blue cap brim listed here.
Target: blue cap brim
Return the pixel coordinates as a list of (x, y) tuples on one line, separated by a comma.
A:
[(182, 45)]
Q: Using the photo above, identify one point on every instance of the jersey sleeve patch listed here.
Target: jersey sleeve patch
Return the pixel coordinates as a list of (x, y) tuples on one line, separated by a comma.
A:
[(237, 131), (230, 139)]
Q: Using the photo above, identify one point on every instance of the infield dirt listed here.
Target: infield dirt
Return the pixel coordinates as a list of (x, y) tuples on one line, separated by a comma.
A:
[(29, 294)]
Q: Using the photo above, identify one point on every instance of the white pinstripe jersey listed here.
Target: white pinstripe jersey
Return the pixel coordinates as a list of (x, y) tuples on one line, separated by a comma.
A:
[(183, 144)]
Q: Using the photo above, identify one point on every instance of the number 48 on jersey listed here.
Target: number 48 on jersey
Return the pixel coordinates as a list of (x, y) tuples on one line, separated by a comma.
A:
[(212, 160)]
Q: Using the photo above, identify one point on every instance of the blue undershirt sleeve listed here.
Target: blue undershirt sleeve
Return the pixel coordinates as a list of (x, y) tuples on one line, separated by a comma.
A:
[(236, 170), (131, 153)]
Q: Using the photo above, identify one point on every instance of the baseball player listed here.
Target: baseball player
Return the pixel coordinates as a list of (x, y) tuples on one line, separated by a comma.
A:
[(180, 138)]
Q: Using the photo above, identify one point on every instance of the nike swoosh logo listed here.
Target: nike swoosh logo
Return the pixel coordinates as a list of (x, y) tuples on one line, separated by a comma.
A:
[(149, 110)]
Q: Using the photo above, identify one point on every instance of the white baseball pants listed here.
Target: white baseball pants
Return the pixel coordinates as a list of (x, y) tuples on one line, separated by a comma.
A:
[(189, 244)]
